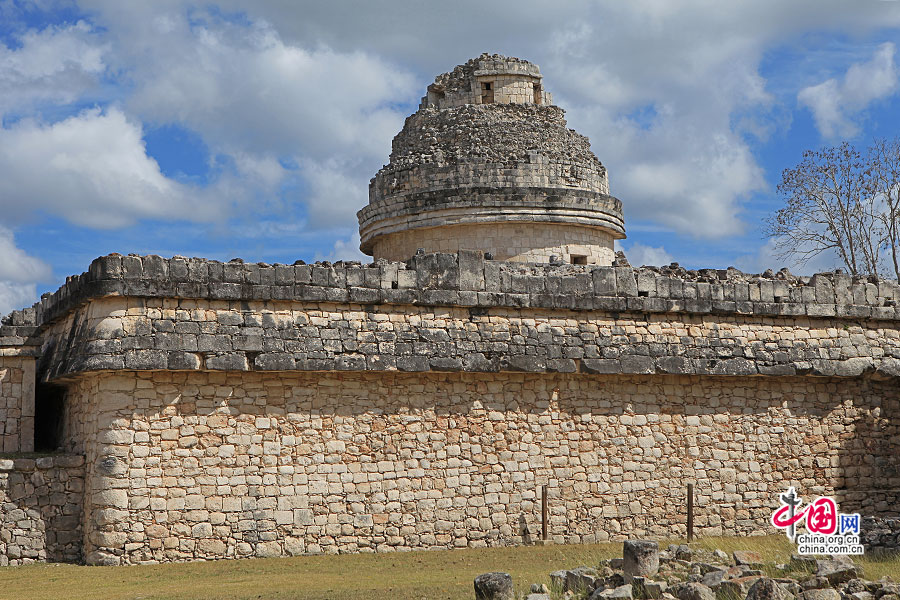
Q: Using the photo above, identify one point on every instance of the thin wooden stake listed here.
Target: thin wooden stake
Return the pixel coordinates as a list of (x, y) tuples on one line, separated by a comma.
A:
[(544, 513), (690, 512)]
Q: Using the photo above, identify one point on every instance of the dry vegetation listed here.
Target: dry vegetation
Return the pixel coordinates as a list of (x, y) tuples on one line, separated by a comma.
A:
[(401, 576)]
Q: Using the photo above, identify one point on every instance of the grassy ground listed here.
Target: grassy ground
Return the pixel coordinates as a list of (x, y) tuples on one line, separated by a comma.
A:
[(400, 576)]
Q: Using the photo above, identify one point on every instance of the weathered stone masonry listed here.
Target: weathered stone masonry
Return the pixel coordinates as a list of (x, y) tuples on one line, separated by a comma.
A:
[(368, 407), (205, 410), (41, 509)]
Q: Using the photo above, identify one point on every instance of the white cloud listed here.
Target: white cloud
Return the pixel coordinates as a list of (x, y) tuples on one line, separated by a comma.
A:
[(336, 191), (766, 257), (241, 86), (55, 65), (346, 250), (14, 296), (667, 95), (19, 274), (836, 104), (16, 265), (639, 255), (323, 86), (91, 169), (256, 98)]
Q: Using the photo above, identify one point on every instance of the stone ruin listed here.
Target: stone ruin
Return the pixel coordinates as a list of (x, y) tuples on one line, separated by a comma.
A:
[(682, 572), (186, 409)]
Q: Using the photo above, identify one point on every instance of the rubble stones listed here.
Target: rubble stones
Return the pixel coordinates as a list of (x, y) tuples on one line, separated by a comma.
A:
[(494, 586), (766, 589), (580, 579), (712, 579), (645, 589), (733, 586), (837, 570), (692, 591), (821, 594), (747, 557)]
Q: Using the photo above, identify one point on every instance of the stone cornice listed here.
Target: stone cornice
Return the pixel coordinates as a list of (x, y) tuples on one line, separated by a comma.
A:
[(468, 280)]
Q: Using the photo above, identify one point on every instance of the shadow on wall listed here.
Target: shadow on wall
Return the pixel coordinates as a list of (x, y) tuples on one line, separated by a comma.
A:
[(867, 465), (41, 509)]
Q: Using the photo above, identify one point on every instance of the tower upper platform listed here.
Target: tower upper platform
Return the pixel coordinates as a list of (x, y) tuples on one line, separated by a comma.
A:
[(487, 163)]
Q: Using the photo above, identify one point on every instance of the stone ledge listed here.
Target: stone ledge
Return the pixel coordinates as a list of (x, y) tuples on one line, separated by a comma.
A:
[(29, 463), (467, 279)]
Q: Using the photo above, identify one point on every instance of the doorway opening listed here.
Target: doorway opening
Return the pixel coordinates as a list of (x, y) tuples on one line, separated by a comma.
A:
[(487, 92), (49, 417)]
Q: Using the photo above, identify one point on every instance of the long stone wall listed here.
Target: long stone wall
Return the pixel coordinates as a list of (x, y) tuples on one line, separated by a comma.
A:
[(232, 409), (41, 509), (440, 315), (159, 334), (211, 465), (468, 280)]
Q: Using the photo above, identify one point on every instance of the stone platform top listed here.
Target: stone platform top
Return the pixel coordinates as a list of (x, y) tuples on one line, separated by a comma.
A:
[(467, 279)]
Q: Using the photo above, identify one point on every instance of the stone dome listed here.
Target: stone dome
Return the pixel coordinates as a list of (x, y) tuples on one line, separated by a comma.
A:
[(487, 163)]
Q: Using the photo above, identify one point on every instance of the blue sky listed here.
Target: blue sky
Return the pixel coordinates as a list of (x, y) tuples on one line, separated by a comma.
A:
[(250, 129)]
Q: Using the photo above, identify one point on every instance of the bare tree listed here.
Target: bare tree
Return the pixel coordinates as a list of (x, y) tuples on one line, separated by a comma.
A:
[(884, 161), (827, 207)]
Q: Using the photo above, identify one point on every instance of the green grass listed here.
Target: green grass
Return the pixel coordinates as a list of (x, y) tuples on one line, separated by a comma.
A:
[(397, 576)]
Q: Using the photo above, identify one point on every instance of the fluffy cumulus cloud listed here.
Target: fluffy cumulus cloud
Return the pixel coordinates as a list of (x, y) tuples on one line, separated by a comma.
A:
[(91, 169), (16, 265), (52, 66), (295, 104), (641, 254), (836, 102), (18, 273), (347, 249), (234, 79), (14, 296)]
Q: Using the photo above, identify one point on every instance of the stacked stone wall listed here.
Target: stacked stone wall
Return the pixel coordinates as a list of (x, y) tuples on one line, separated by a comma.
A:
[(503, 316), (514, 79), (880, 534), (41, 509), (212, 465), (17, 383), (157, 334), (19, 347), (232, 409)]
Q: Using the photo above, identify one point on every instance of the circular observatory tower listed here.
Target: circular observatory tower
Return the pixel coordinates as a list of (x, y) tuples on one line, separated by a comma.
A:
[(487, 163)]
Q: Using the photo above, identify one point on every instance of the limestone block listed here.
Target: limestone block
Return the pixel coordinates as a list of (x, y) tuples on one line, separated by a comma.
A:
[(640, 557), (494, 586)]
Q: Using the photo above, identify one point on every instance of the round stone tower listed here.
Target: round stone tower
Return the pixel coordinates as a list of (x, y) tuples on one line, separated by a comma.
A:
[(487, 163)]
